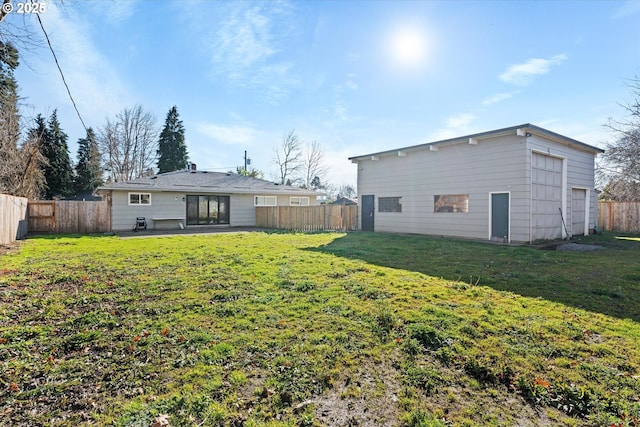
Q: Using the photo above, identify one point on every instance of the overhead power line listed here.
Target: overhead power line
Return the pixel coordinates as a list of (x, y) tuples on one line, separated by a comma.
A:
[(61, 73)]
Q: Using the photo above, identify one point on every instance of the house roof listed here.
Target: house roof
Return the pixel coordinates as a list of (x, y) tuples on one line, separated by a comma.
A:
[(344, 201), (523, 130), (204, 182)]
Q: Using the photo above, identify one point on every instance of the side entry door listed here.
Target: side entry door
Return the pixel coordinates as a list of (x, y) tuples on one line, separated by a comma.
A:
[(500, 217), (367, 211)]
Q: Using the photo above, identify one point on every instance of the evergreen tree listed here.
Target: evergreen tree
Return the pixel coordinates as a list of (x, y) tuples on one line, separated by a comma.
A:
[(58, 173), (172, 151), (9, 120), (88, 171), (39, 131), (20, 167)]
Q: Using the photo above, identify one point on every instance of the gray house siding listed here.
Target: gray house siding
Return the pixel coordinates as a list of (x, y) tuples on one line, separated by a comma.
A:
[(243, 212), (163, 205), (545, 176), (172, 205), (455, 169), (477, 170)]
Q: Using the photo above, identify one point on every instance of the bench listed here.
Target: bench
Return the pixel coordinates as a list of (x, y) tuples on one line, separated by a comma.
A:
[(162, 219)]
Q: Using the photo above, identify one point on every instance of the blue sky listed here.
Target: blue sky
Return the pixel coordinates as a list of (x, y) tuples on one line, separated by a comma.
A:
[(356, 76)]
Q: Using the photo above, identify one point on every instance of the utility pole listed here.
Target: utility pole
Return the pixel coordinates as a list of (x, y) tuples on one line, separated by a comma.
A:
[(246, 162)]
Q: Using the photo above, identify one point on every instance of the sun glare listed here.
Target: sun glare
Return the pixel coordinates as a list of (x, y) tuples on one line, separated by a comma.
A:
[(408, 47)]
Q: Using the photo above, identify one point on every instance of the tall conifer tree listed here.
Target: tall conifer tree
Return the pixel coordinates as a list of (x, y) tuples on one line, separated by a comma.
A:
[(88, 170), (58, 173), (172, 151)]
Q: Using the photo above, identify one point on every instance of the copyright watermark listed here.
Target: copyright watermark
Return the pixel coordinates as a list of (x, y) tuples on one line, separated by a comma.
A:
[(24, 8)]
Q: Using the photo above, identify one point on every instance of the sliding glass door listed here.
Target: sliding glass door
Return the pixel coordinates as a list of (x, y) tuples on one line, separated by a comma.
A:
[(207, 210)]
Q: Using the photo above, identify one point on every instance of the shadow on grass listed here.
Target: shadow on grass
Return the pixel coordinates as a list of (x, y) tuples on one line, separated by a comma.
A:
[(66, 236), (605, 281)]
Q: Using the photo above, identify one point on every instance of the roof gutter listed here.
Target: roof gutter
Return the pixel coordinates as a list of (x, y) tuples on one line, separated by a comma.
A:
[(473, 139)]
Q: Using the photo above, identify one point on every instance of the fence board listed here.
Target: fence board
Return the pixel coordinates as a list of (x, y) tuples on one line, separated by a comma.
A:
[(42, 218), (308, 218), (69, 217), (13, 218), (619, 216)]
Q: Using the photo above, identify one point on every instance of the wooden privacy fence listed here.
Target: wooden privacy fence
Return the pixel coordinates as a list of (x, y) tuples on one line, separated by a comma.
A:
[(69, 217), (13, 218), (308, 218), (619, 216)]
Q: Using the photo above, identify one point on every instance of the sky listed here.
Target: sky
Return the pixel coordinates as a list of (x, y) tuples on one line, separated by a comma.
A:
[(356, 76)]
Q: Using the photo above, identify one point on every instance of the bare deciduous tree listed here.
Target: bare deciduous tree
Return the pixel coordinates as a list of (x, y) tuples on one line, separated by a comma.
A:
[(129, 144), (346, 190), (622, 157), (313, 166), (288, 158)]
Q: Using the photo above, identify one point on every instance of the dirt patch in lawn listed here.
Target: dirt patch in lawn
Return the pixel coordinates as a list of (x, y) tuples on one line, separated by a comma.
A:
[(367, 397), (12, 247), (578, 247)]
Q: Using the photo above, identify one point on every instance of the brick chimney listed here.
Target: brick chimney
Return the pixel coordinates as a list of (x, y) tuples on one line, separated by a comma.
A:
[(193, 167)]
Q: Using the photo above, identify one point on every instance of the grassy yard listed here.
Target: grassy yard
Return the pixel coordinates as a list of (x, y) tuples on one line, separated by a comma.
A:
[(277, 329)]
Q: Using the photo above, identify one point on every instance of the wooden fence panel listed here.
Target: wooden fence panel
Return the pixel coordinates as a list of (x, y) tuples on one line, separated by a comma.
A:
[(619, 216), (308, 218), (69, 217), (13, 218), (42, 216)]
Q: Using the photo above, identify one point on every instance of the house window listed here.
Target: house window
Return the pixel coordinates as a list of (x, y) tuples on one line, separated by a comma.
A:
[(389, 204), (298, 201), (139, 198), (265, 201), (453, 203), (207, 210)]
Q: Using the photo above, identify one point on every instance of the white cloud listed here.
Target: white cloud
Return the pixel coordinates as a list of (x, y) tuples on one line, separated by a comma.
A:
[(498, 97), (351, 85), (245, 42), (455, 126), (460, 121), (628, 8), (523, 74), (229, 135), (114, 11), (244, 38)]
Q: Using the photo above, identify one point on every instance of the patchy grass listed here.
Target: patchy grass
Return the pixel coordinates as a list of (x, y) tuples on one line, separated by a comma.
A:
[(284, 329)]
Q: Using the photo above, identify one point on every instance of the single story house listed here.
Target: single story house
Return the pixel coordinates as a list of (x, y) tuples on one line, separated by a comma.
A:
[(517, 184), (192, 198)]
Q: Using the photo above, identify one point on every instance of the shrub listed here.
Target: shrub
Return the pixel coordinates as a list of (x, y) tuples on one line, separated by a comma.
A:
[(426, 336)]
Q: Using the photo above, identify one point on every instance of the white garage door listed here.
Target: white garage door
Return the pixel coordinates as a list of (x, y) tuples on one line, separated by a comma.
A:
[(546, 180)]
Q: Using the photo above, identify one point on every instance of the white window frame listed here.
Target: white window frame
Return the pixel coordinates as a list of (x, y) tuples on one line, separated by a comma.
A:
[(462, 209), (298, 201), (139, 203), (265, 201)]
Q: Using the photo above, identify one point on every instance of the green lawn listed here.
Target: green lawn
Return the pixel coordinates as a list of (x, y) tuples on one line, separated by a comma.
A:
[(278, 329)]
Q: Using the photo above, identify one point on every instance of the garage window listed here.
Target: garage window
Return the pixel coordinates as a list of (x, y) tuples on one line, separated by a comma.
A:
[(452, 203), (389, 204)]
